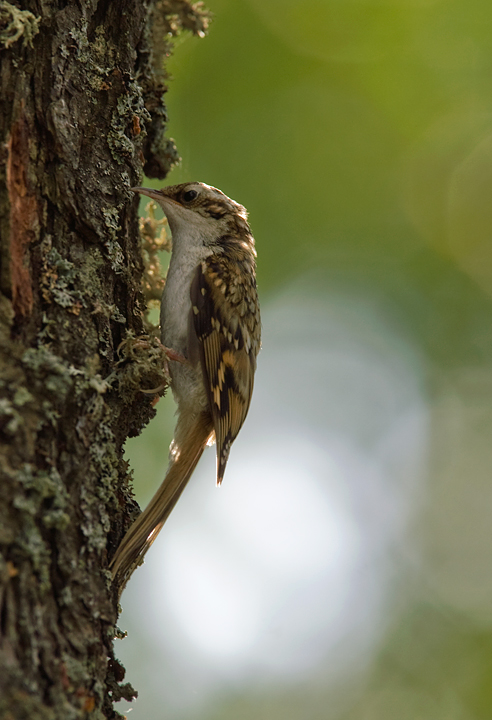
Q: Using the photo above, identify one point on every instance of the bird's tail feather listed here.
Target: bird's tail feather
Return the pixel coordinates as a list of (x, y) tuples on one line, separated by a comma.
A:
[(185, 454)]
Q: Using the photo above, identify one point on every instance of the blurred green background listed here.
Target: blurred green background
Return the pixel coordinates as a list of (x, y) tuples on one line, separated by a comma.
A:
[(358, 133)]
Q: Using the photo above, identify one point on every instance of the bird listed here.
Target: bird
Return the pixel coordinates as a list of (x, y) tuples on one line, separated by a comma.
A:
[(211, 330)]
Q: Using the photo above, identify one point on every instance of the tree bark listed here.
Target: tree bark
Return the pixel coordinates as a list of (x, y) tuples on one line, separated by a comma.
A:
[(81, 114)]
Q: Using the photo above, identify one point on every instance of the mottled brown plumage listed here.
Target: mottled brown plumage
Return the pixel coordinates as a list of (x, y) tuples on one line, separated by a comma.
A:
[(210, 317)]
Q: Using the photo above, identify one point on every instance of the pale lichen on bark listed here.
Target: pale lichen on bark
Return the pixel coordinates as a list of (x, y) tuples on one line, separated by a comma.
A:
[(16, 24)]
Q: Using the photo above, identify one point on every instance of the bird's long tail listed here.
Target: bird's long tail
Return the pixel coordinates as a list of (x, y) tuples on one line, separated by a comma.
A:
[(191, 437)]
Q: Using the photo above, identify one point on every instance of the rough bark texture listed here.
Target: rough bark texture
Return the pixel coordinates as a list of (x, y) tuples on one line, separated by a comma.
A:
[(81, 114)]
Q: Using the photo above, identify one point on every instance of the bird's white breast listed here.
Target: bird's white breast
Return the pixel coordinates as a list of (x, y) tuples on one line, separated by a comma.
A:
[(188, 252)]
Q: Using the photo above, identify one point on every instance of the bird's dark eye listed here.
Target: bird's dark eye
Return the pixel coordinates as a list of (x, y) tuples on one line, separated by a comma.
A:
[(189, 195)]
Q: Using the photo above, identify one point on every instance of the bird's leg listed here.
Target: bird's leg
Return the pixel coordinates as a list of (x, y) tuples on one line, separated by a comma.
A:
[(169, 354), (176, 356), (143, 343), (143, 350)]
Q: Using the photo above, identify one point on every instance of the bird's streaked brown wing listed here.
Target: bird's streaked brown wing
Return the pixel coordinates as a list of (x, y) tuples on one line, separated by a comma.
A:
[(227, 324)]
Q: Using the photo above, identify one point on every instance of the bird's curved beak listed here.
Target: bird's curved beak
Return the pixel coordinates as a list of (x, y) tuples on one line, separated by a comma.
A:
[(150, 192)]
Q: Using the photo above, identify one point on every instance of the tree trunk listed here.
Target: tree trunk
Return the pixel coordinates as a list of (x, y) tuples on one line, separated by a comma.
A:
[(81, 93)]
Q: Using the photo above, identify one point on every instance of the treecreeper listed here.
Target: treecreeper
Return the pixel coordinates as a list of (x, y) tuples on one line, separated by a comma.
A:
[(210, 327)]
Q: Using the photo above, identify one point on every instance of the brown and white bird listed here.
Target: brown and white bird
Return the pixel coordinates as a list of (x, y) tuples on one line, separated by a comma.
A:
[(210, 322)]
